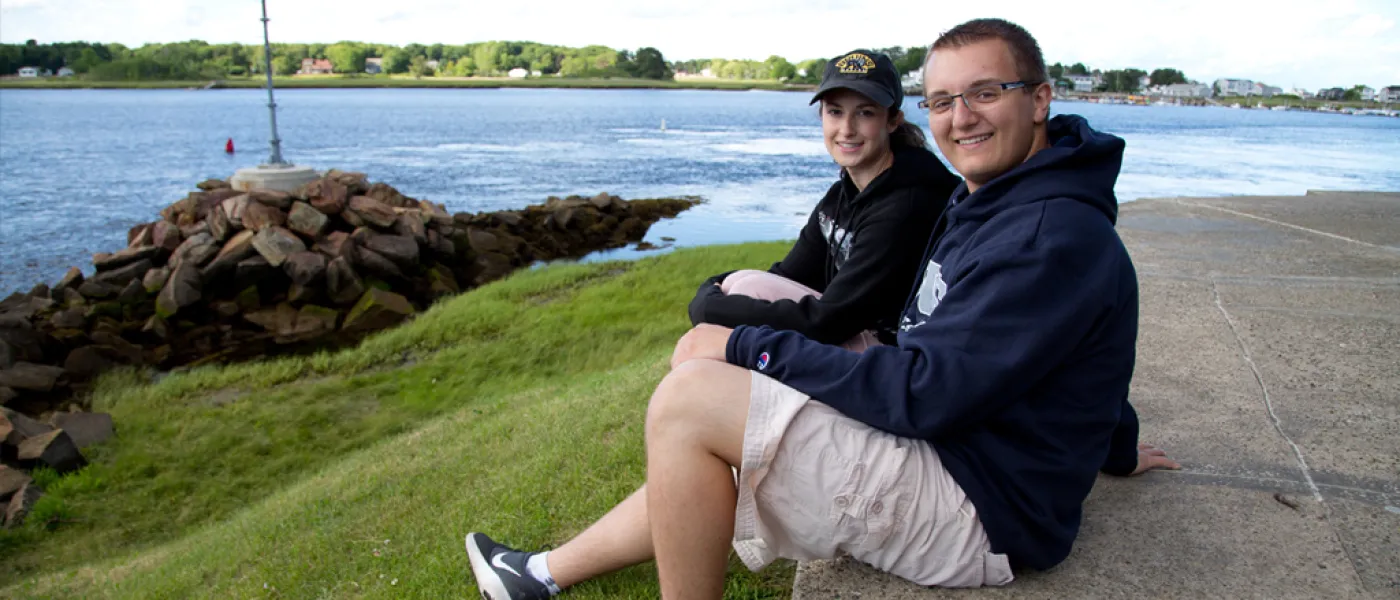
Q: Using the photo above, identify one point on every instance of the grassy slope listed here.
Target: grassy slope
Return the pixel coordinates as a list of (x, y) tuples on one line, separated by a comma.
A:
[(515, 409), (334, 81)]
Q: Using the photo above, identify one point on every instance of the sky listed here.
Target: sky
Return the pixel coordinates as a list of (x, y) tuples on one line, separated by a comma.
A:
[(1287, 43)]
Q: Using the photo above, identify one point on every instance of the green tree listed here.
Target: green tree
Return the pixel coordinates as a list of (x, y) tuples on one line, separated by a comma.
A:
[(1078, 69), (485, 56), (1352, 95), (397, 61), (1056, 72), (285, 65), (913, 59), (810, 70), (779, 68), (1167, 77), (347, 57), (650, 64), (418, 66), (1122, 80)]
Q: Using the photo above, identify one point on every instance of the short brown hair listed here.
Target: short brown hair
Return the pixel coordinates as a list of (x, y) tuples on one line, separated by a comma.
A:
[(1030, 63)]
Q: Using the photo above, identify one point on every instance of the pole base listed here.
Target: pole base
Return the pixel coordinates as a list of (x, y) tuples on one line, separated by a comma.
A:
[(283, 178)]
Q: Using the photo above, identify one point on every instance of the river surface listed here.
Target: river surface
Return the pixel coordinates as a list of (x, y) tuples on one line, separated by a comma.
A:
[(80, 167)]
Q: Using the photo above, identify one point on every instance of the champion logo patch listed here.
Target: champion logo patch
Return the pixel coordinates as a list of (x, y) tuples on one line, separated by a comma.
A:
[(763, 361)]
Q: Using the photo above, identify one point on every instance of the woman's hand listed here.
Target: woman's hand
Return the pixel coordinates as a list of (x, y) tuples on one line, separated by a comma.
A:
[(1151, 457)]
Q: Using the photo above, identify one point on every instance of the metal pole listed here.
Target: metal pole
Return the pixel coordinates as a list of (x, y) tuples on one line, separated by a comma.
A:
[(276, 158)]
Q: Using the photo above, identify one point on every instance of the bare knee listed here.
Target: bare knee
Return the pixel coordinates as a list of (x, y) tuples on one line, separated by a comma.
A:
[(674, 403)]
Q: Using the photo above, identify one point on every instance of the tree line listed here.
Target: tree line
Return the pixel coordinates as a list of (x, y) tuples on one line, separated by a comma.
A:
[(1116, 80)]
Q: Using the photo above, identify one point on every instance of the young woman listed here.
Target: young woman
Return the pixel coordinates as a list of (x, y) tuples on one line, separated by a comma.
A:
[(846, 279)]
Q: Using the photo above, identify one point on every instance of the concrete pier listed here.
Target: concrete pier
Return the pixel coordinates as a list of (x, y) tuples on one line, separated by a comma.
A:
[(1269, 366)]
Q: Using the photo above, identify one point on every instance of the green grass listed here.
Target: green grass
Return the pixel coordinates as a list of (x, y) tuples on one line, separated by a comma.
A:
[(343, 81), (515, 409)]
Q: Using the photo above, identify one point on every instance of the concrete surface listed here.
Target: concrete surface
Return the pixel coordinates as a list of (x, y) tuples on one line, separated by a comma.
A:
[(1269, 366)]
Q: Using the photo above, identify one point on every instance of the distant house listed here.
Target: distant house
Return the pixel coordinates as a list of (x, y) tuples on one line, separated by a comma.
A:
[(1265, 90), (1144, 82), (1335, 93), (29, 71), (1300, 92), (707, 72), (65, 72), (1186, 90), (1390, 93), (432, 64), (1235, 87), (518, 73), (374, 66), (1083, 83), (316, 66), (1368, 94)]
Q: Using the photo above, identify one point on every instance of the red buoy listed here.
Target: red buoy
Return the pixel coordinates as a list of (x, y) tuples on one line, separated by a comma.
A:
[(228, 147)]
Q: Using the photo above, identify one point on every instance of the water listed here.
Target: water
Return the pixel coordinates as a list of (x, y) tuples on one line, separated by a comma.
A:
[(79, 167)]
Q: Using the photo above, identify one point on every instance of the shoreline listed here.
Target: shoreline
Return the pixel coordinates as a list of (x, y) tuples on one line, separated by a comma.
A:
[(404, 82)]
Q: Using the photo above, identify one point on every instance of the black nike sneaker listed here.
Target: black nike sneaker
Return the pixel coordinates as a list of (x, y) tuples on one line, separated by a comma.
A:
[(500, 571)]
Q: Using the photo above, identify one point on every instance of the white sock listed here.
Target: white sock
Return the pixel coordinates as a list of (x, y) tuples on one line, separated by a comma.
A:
[(538, 567)]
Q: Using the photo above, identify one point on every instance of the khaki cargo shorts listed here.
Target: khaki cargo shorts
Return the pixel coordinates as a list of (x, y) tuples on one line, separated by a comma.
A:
[(815, 484)]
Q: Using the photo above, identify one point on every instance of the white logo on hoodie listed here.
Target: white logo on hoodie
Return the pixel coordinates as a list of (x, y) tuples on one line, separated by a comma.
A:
[(932, 290)]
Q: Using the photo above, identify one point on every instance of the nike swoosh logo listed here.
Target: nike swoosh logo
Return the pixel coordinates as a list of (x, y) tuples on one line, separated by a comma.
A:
[(501, 564)]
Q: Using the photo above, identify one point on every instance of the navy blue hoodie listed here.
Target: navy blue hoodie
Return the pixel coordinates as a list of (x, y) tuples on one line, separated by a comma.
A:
[(1015, 350)]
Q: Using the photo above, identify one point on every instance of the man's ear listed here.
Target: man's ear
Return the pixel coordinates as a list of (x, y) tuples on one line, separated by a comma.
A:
[(1041, 96)]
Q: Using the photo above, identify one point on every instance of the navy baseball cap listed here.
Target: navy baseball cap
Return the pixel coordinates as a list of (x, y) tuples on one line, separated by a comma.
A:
[(864, 72)]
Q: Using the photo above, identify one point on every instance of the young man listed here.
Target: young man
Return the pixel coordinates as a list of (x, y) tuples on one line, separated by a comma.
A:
[(963, 451)]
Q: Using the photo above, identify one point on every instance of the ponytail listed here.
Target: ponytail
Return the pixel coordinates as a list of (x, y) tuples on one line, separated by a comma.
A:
[(907, 134)]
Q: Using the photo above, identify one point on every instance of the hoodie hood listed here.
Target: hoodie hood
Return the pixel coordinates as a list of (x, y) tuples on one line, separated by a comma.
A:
[(1081, 163), (913, 167)]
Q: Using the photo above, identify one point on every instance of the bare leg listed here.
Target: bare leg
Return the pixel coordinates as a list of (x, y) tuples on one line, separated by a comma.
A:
[(620, 539), (695, 433)]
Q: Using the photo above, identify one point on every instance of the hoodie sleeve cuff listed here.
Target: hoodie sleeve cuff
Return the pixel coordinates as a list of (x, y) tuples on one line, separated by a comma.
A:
[(739, 347)]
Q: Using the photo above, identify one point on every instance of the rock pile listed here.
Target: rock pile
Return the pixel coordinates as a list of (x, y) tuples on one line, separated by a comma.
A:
[(227, 275), (26, 444)]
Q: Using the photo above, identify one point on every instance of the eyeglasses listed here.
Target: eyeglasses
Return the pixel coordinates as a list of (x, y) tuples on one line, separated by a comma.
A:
[(973, 98)]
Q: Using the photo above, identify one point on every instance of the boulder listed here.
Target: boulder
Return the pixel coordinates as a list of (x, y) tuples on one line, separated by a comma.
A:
[(22, 426), (233, 209), (87, 362), (238, 248), (335, 245), (601, 201), (377, 309), (11, 480), (21, 343), (372, 212), (98, 290), (183, 289), (251, 270), (166, 235), (490, 267), (132, 294), (258, 216), (376, 263), (6, 395), (119, 277), (156, 327), (30, 376), (282, 317), (442, 282), (85, 428), (108, 262), (139, 235), (311, 321), (276, 244), (342, 284), (402, 250), (69, 318), (54, 450), (249, 299), (155, 279), (305, 267), (327, 195), (410, 224), (21, 307), (72, 297), (219, 225), (206, 201), (385, 193), (212, 184), (352, 180), (192, 246), (225, 308), (306, 220), (273, 198), (482, 241), (20, 504), (121, 349), (71, 280)]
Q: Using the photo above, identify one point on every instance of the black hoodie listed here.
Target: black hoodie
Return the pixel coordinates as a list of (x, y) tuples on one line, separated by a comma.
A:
[(860, 250), (1015, 351)]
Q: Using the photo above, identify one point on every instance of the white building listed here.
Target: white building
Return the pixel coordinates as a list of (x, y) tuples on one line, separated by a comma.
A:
[(1234, 87), (1390, 93), (1368, 94), (1186, 90), (65, 72), (1300, 92), (374, 65), (518, 73), (29, 71), (1083, 83), (1144, 82), (1265, 90)]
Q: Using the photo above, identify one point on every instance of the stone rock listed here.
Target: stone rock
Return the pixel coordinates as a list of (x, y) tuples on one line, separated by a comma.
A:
[(183, 289), (402, 250), (155, 279), (225, 308), (20, 504), (161, 354), (132, 294), (352, 180), (72, 297), (86, 363), (282, 317), (372, 212), (482, 241), (238, 248), (306, 220), (327, 195), (85, 428), (212, 184), (23, 426), (7, 429), (342, 284), (219, 225), (11, 480), (258, 216), (206, 201), (7, 394), (188, 247), (273, 198), (311, 321), (276, 244), (139, 235), (377, 309), (109, 308), (69, 318), (54, 450), (117, 345), (107, 262), (509, 218), (410, 224), (157, 328), (442, 282), (30, 376), (40, 291), (376, 263), (305, 267), (97, 290), (21, 307), (388, 195), (444, 247), (249, 299), (601, 201), (233, 209), (21, 343), (71, 280), (166, 235), (491, 266), (119, 277), (252, 270), (335, 245)]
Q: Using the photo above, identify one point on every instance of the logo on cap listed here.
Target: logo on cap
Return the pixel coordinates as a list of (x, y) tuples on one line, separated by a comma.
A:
[(855, 63)]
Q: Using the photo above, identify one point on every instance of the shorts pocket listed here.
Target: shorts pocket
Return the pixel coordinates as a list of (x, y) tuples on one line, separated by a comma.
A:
[(865, 508)]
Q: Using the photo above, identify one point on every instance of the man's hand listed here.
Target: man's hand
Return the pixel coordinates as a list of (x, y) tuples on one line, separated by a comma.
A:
[(705, 341), (1151, 457)]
